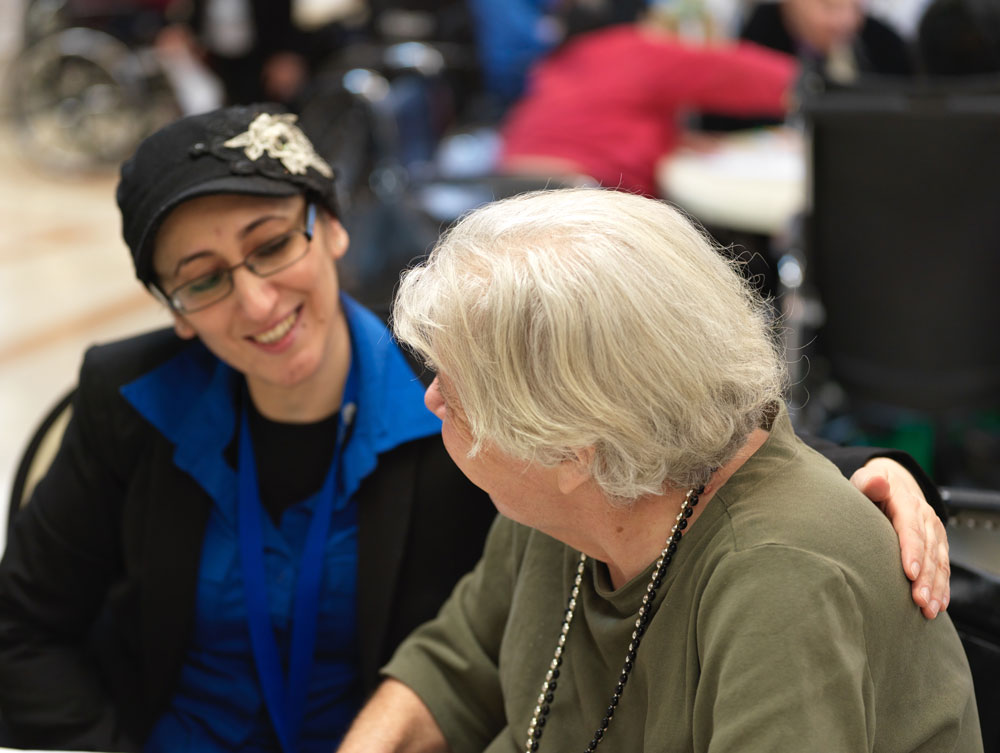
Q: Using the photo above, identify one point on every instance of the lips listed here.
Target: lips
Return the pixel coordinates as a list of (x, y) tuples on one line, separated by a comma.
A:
[(279, 330)]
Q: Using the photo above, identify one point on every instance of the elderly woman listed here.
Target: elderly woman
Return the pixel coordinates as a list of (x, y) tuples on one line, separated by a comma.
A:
[(673, 569)]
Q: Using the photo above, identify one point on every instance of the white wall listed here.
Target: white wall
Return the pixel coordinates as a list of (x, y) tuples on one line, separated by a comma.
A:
[(904, 15)]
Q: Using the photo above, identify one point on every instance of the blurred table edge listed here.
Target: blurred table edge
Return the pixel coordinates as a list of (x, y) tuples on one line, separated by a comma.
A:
[(752, 181)]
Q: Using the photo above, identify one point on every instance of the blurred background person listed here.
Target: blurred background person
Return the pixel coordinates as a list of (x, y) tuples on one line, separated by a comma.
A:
[(610, 103), (257, 47), (836, 37), (512, 36)]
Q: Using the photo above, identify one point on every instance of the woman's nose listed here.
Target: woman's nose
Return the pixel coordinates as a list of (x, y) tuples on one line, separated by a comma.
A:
[(256, 295), (433, 400)]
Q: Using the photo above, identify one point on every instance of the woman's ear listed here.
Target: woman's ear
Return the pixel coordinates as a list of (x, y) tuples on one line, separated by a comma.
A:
[(575, 471), (335, 237), (182, 327)]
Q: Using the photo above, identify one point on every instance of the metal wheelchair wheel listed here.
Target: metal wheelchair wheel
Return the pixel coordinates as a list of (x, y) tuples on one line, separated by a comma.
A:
[(81, 99)]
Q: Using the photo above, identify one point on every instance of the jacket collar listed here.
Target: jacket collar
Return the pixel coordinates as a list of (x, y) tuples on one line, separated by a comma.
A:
[(191, 399)]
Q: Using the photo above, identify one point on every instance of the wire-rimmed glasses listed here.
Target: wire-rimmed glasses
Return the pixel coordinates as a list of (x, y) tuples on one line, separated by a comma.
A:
[(273, 256)]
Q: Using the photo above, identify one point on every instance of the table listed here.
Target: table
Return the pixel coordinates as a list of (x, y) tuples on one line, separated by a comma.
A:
[(753, 181)]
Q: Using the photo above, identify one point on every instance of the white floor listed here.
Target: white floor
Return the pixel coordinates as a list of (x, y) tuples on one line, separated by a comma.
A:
[(66, 282)]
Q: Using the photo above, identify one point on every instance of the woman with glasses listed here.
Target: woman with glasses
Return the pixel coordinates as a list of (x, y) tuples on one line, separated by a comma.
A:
[(248, 513)]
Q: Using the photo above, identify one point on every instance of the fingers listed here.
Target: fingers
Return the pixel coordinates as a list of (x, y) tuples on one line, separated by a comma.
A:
[(915, 553), (920, 565), (932, 590), (941, 590), (872, 483), (922, 539)]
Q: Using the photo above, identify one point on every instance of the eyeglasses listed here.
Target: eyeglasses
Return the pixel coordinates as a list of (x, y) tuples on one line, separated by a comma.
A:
[(277, 254)]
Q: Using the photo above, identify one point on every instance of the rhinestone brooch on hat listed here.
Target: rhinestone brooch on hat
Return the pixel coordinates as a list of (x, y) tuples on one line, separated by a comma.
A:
[(282, 140)]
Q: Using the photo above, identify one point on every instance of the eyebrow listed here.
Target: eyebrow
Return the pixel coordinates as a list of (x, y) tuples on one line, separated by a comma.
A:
[(242, 234)]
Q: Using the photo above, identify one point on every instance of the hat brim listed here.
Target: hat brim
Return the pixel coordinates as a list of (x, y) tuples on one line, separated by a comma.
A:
[(246, 185)]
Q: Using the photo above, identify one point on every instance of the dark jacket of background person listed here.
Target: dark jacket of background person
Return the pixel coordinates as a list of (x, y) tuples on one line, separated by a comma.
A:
[(877, 49), (274, 31), (513, 35), (93, 631)]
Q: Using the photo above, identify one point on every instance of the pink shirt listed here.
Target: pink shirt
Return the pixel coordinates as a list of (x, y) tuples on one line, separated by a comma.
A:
[(610, 100)]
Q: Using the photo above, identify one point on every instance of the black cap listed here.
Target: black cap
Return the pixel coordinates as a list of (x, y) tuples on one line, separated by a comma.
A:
[(255, 150)]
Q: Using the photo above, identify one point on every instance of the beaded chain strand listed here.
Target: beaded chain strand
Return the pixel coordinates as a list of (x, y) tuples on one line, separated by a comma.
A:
[(545, 698)]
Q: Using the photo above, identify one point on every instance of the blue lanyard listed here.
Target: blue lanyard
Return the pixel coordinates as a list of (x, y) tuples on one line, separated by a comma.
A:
[(286, 701)]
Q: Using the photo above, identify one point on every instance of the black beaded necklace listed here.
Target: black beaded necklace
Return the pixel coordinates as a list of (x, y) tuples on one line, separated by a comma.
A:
[(545, 698)]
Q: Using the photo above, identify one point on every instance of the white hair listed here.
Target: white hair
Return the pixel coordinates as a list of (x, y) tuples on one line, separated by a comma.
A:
[(588, 318)]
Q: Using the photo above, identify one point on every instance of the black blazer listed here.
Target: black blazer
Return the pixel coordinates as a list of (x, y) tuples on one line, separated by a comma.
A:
[(97, 585)]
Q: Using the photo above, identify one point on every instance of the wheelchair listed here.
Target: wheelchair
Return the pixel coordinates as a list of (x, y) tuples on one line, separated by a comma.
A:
[(86, 87)]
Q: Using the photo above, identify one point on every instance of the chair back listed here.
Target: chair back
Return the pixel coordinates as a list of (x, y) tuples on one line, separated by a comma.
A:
[(903, 241), (38, 454)]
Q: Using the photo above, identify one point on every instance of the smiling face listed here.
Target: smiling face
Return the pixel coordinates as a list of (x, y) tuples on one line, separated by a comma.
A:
[(283, 332)]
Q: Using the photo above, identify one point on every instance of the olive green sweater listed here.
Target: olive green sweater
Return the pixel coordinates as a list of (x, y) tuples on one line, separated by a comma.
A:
[(784, 623)]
